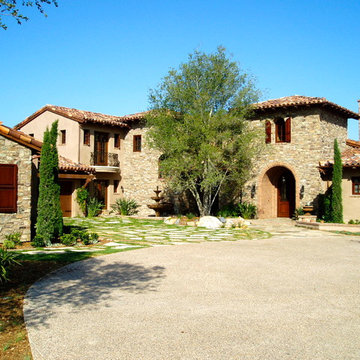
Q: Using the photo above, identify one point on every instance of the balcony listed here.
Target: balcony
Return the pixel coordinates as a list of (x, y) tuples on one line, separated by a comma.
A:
[(105, 162)]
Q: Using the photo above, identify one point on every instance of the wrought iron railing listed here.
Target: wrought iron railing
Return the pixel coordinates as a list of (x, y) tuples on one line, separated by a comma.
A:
[(107, 159)]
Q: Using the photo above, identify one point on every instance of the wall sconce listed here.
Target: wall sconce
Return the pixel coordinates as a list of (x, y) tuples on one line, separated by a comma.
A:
[(253, 191), (302, 191)]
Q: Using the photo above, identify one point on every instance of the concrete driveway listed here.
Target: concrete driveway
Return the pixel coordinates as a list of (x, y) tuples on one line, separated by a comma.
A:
[(294, 296)]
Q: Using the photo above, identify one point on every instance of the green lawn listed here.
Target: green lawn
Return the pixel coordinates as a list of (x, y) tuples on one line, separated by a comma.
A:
[(147, 232)]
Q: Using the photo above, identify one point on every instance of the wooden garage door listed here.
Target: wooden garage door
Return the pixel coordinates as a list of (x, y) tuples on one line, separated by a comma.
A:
[(66, 197)]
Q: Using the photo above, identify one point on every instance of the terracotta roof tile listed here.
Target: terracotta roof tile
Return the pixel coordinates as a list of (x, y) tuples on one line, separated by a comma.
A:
[(20, 137), (299, 100), (82, 116), (350, 157), (68, 165)]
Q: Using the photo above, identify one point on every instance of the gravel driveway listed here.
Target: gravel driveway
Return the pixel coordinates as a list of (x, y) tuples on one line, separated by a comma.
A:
[(294, 296)]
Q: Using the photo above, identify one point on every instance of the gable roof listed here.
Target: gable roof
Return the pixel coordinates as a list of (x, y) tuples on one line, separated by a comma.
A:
[(83, 117), (20, 137), (299, 100), (30, 142)]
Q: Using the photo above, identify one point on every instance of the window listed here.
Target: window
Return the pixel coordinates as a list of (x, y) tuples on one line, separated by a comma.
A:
[(283, 130), (63, 136), (355, 185), (117, 141), (116, 186), (8, 188), (268, 132), (32, 135), (137, 143), (86, 137)]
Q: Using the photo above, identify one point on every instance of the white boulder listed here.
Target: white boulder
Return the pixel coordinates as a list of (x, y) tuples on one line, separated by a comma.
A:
[(210, 222), (236, 222)]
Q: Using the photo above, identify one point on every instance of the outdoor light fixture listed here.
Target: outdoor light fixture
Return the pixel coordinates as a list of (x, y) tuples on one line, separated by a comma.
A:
[(253, 191), (302, 190)]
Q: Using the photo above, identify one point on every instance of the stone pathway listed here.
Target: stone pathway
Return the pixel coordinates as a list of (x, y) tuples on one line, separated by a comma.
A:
[(127, 233)]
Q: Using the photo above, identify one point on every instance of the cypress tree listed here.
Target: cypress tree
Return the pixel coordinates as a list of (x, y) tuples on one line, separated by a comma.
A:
[(49, 225), (336, 204)]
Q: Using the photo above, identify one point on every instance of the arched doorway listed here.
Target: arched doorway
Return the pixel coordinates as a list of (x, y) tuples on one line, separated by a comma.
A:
[(277, 193)]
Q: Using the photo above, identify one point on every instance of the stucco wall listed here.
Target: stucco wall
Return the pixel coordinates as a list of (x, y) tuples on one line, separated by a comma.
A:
[(312, 136), (14, 153), (38, 126), (351, 203)]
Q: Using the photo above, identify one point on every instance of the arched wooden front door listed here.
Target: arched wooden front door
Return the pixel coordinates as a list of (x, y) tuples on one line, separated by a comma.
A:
[(285, 194)]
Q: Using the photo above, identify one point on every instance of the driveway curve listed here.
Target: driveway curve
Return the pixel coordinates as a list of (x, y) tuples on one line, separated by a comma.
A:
[(289, 297)]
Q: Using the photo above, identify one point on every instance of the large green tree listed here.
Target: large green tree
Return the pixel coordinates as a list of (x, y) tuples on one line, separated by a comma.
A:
[(198, 123), (49, 224), (336, 200), (12, 8)]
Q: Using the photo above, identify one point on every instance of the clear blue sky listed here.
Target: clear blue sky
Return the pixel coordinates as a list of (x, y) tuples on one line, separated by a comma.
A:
[(104, 56)]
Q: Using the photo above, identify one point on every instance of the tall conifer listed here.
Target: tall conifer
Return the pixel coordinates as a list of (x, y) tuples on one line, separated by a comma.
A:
[(336, 204), (49, 217)]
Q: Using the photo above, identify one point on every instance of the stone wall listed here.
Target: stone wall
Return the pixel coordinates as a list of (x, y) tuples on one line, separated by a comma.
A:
[(14, 153), (312, 136), (139, 171)]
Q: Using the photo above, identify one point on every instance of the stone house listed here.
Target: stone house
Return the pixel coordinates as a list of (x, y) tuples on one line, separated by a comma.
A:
[(113, 146), (350, 181), (17, 181), (298, 131), (19, 161)]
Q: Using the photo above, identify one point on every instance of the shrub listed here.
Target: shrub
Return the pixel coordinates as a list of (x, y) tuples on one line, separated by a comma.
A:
[(327, 205), (38, 241), (354, 222), (79, 234), (7, 261), (68, 239), (190, 216), (336, 203), (15, 237), (94, 238), (229, 210), (247, 210), (94, 207), (9, 244), (243, 209), (82, 196), (299, 211), (125, 206), (49, 222)]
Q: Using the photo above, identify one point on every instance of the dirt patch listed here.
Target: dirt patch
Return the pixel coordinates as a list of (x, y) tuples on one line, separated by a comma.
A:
[(13, 336)]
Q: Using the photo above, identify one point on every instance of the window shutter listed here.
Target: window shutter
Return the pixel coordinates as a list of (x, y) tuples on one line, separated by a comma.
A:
[(288, 130), (8, 188), (267, 132)]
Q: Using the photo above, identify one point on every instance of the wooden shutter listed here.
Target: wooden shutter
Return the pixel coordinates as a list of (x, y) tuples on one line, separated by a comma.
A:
[(8, 188), (288, 130), (267, 132)]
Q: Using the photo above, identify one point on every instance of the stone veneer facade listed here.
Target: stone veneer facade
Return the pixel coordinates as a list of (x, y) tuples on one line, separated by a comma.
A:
[(14, 153), (313, 131), (139, 171)]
